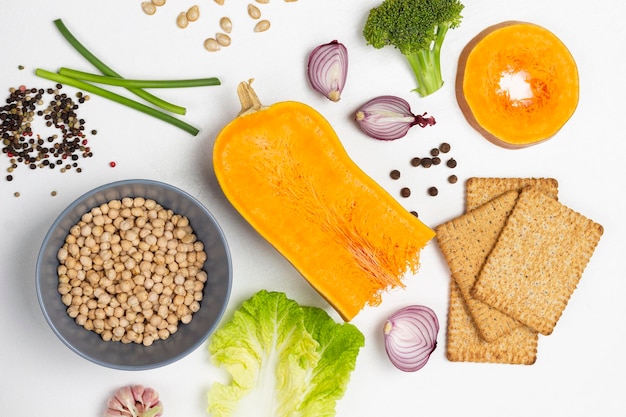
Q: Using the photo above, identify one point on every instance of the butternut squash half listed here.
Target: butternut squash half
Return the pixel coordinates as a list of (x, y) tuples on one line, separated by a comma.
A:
[(286, 172), (517, 84)]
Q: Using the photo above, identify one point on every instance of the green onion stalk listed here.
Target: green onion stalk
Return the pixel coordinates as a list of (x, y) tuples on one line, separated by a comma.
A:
[(63, 79), (106, 70)]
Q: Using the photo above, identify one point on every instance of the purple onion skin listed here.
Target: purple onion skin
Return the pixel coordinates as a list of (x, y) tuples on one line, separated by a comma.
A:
[(327, 69), (410, 336), (389, 118)]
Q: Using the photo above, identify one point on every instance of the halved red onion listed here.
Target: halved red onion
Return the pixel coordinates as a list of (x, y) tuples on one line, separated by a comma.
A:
[(389, 118), (410, 337), (328, 69)]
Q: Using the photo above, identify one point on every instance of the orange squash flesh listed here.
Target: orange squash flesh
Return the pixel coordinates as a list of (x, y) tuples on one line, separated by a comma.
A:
[(529, 53), (286, 172)]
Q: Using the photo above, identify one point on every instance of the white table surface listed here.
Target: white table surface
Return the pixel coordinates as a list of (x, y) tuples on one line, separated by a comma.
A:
[(579, 368)]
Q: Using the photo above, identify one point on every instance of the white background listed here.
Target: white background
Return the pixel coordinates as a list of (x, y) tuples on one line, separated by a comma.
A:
[(579, 369)]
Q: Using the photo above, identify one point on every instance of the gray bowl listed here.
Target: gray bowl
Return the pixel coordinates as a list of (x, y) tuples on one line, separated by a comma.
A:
[(133, 356)]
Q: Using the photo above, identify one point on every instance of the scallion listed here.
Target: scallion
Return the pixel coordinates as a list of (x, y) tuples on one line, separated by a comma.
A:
[(106, 70), (127, 83), (117, 98)]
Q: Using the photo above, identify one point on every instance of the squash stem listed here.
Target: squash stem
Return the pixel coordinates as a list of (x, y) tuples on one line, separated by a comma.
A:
[(250, 102)]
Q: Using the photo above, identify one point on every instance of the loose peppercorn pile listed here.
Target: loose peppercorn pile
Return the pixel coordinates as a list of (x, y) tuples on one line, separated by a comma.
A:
[(132, 271), (62, 149)]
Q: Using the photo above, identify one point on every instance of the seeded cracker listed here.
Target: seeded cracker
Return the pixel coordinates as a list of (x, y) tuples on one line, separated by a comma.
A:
[(479, 190), (538, 260), (465, 243), (464, 344)]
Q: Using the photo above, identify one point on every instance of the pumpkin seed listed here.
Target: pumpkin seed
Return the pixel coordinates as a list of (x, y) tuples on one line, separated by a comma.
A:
[(222, 39), (158, 2), (148, 7), (193, 13), (254, 11), (226, 24), (211, 45), (182, 20), (262, 26)]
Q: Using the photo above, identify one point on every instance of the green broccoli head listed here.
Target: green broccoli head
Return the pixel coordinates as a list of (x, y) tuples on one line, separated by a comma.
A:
[(417, 29)]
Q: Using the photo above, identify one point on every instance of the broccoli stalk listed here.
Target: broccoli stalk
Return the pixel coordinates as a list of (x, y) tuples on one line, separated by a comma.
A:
[(417, 29)]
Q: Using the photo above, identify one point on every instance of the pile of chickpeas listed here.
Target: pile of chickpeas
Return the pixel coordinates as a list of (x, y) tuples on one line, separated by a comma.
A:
[(132, 271)]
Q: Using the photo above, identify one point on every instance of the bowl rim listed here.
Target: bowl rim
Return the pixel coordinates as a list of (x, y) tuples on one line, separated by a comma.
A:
[(79, 200)]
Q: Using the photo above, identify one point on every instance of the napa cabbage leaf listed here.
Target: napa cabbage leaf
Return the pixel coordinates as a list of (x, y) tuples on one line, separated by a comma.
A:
[(284, 360)]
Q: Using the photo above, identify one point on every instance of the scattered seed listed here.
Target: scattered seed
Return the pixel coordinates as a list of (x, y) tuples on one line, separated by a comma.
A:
[(222, 39), (416, 161), (434, 152), (253, 11), (148, 7), (262, 1), (444, 147), (220, 2), (158, 2), (16, 194), (427, 162), (436, 160), (451, 163), (395, 174), (262, 26), (226, 24), (193, 13), (20, 67), (182, 21), (452, 179), (405, 192), (112, 164), (433, 191), (414, 213), (211, 45), (53, 193)]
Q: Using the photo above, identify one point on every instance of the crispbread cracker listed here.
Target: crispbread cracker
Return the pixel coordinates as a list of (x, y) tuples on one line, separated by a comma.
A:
[(465, 243), (537, 261), (464, 344), (479, 190)]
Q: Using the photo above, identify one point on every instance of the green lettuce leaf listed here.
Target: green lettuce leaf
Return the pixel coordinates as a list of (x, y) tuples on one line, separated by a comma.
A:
[(284, 360)]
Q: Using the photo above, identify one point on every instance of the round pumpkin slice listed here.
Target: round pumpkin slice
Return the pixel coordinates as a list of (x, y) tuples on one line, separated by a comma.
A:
[(517, 84)]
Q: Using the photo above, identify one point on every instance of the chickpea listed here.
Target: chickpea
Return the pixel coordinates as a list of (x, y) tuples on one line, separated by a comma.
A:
[(148, 340), (81, 319), (131, 271), (119, 331), (88, 324), (64, 288), (93, 305)]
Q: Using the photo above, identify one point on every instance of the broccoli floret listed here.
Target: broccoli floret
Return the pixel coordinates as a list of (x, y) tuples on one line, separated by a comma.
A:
[(417, 29)]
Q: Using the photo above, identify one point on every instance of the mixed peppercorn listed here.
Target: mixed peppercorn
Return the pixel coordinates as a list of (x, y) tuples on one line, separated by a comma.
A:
[(61, 150)]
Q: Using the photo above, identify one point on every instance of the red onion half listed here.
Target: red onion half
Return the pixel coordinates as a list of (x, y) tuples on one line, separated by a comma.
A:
[(410, 337), (389, 118), (328, 69)]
